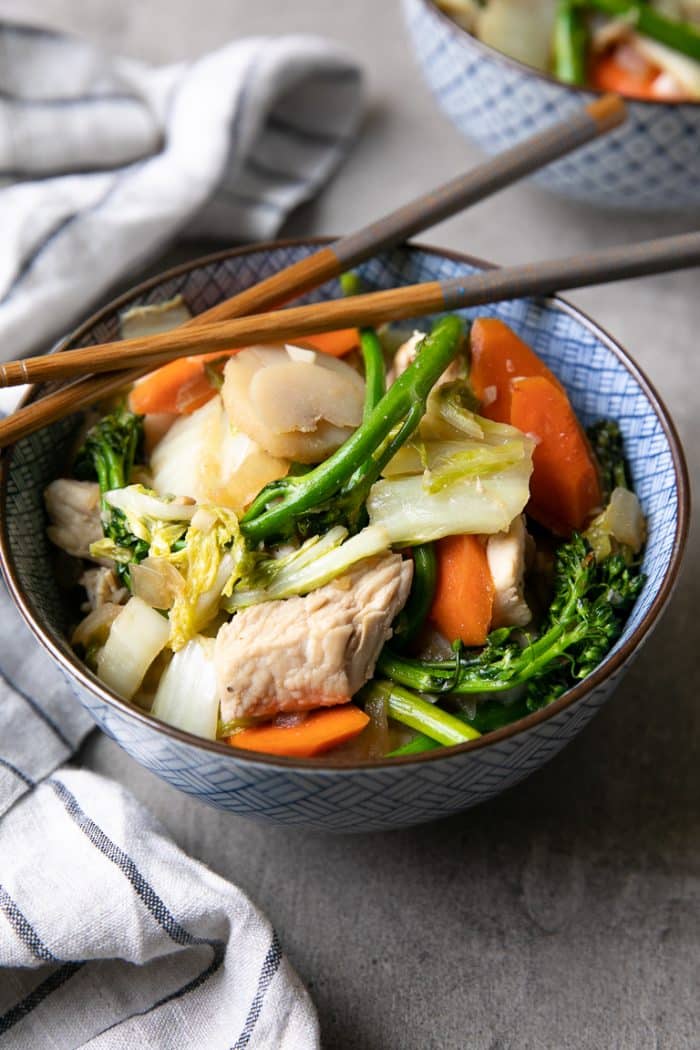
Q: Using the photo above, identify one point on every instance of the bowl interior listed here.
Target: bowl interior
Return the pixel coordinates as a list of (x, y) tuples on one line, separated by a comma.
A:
[(593, 370)]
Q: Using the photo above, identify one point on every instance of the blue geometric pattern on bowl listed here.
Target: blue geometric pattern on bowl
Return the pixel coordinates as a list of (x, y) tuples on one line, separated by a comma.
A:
[(652, 161), (370, 797)]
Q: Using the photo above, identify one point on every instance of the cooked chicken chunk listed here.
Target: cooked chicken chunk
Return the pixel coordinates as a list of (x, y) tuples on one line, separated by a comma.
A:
[(74, 510), (318, 650), (102, 586), (506, 557)]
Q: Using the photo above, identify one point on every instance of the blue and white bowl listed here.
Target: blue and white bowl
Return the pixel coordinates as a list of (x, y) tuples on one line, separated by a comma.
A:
[(325, 794), (651, 162)]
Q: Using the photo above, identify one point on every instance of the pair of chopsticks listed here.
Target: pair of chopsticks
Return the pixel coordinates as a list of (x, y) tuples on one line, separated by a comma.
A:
[(239, 321)]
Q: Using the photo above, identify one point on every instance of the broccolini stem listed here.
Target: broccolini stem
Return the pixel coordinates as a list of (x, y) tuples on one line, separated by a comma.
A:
[(375, 373), (417, 746), (411, 710), (489, 716), (351, 283), (570, 43), (681, 36), (275, 510), (413, 616)]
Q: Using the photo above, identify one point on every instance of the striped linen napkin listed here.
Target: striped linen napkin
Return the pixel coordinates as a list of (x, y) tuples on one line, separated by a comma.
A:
[(104, 160), (110, 936)]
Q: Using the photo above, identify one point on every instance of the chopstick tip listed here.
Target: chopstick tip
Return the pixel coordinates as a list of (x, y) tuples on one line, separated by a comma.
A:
[(609, 111)]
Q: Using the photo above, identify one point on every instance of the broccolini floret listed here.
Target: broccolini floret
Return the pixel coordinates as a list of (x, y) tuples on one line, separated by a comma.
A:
[(108, 454), (606, 441)]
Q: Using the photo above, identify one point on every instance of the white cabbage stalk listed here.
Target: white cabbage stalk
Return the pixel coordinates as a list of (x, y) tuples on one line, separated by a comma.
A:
[(315, 566), (187, 696), (137, 502), (139, 321), (683, 70), (522, 29), (137, 635), (410, 514)]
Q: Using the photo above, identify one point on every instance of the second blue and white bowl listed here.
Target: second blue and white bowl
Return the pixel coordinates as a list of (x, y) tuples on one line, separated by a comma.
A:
[(652, 162)]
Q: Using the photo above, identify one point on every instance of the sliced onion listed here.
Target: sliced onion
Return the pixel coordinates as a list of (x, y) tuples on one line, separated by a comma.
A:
[(625, 520), (157, 582)]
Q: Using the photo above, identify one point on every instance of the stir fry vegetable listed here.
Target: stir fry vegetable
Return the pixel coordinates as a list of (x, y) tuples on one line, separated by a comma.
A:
[(460, 554), (641, 50)]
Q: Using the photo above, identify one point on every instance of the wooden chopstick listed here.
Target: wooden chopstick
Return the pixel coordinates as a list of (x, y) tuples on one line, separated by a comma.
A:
[(594, 120), (612, 264)]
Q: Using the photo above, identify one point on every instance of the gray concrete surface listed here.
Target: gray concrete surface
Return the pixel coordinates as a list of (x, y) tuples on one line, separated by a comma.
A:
[(564, 914)]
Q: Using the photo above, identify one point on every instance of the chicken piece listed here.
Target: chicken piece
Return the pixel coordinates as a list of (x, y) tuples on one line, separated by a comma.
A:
[(74, 510), (316, 651), (102, 586), (406, 355), (505, 552)]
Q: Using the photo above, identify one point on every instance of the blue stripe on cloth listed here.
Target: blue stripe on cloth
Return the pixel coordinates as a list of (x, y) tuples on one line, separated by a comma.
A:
[(31, 940), (17, 772), (153, 903), (69, 100), (318, 138), (270, 967), (246, 200), (54, 981), (195, 983), (259, 167), (21, 29), (339, 75), (24, 929), (38, 711)]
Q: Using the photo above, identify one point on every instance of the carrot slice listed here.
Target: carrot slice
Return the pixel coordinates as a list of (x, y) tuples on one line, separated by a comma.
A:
[(181, 386), (463, 602), (497, 357), (564, 487), (608, 74), (334, 343), (320, 731)]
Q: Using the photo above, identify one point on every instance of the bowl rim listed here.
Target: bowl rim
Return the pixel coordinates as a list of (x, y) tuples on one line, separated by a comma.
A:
[(60, 651), (523, 67)]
